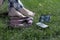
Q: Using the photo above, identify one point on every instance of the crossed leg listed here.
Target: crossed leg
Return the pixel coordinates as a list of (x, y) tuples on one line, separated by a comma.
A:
[(26, 12), (21, 14)]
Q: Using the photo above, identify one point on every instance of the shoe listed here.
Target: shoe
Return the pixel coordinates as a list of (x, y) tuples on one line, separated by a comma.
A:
[(41, 19), (47, 18), (44, 18), (42, 25)]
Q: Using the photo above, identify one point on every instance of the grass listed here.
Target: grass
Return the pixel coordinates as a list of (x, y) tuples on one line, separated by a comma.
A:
[(51, 7)]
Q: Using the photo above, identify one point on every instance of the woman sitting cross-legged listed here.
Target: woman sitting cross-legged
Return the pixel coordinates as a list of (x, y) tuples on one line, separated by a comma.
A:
[(19, 15)]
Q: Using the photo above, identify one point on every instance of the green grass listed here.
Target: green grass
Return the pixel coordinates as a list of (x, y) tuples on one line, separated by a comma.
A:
[(51, 7)]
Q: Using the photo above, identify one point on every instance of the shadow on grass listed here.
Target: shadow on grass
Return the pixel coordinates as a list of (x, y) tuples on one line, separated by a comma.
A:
[(3, 15)]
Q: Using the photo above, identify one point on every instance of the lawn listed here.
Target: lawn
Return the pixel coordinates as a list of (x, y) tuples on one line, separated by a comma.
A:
[(51, 7)]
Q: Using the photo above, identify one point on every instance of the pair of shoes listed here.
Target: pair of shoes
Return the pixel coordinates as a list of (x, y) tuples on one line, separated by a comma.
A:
[(42, 19)]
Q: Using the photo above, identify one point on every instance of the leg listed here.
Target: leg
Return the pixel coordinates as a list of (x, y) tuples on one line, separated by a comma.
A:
[(26, 12), (13, 12), (17, 22), (14, 22)]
